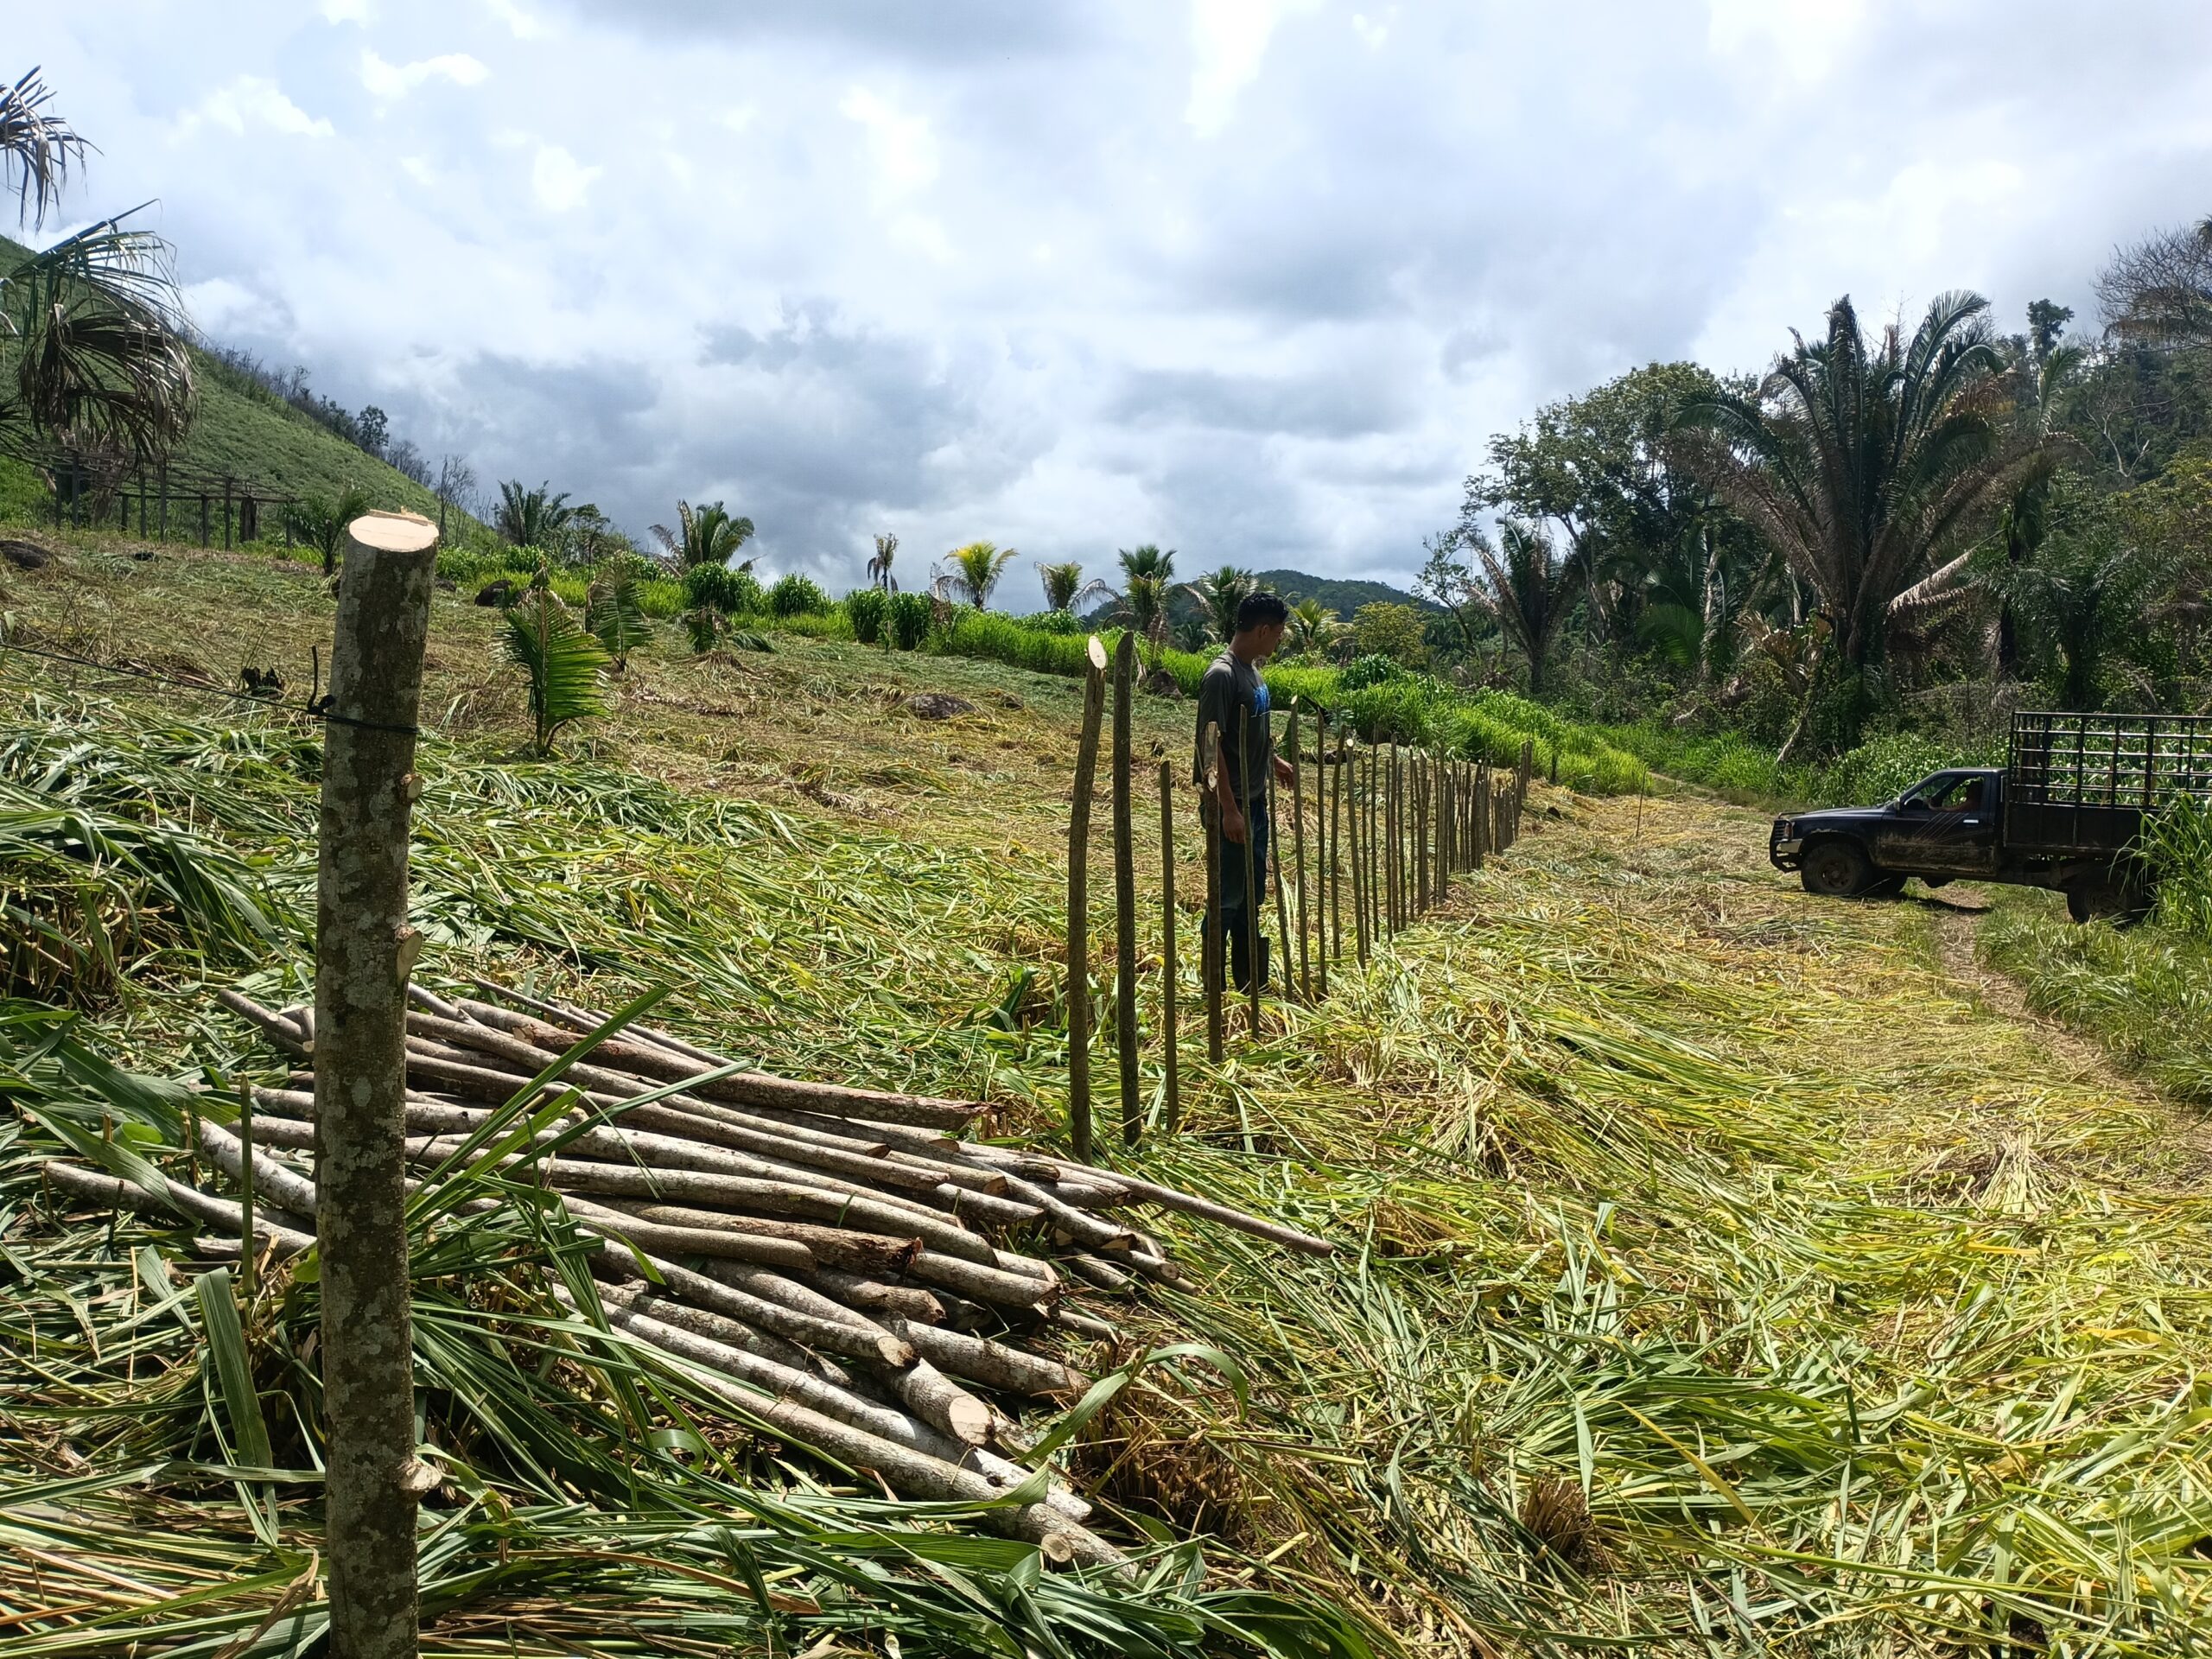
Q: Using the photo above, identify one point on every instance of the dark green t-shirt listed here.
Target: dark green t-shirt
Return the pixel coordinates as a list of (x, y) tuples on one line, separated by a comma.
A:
[(1231, 682)]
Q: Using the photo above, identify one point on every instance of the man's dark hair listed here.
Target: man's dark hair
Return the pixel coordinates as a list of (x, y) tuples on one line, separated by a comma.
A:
[(1260, 611)]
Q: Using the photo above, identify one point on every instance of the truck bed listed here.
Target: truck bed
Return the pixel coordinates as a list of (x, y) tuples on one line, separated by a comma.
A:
[(2077, 783)]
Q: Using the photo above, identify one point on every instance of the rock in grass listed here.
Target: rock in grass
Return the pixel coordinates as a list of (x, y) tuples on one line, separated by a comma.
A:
[(938, 705), (502, 593), (25, 556)]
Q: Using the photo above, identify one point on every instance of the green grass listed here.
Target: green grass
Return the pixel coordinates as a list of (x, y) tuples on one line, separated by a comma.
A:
[(2143, 992), (1714, 1276)]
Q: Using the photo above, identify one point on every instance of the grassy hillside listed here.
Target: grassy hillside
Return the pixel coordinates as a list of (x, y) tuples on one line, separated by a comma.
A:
[(1342, 596), (244, 432), (1716, 1271)]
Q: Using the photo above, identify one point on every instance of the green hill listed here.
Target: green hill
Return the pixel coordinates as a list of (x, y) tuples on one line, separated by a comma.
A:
[(1342, 596), (246, 432)]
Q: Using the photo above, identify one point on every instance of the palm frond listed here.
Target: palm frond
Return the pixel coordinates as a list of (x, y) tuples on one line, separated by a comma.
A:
[(563, 663), (36, 147)]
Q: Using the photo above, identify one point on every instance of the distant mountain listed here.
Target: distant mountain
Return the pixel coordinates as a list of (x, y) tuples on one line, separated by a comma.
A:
[(1340, 595)]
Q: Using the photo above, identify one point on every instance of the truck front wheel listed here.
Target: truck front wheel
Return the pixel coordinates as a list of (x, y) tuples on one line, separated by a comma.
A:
[(1835, 868)]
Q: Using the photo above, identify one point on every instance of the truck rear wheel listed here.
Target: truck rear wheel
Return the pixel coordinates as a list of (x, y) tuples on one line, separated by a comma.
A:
[(1835, 868), (2125, 902)]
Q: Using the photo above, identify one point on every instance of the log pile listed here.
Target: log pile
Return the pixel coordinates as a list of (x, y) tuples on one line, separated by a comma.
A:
[(834, 1263)]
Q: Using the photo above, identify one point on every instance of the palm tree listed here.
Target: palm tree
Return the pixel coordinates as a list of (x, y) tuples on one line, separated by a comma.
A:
[(92, 329), (976, 570), (704, 535), (1314, 629), (1221, 593), (563, 663), (879, 568), (1871, 468), (1064, 587), (320, 523), (529, 518), (1528, 587), (2084, 593)]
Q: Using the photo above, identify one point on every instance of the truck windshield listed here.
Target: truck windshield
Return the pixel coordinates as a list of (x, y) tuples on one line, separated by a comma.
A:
[(1949, 791)]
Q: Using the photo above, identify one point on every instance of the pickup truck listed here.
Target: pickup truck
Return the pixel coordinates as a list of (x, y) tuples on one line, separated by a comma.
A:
[(2066, 811)]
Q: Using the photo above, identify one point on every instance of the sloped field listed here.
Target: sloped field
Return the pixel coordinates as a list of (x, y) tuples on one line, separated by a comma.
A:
[(1713, 1273)]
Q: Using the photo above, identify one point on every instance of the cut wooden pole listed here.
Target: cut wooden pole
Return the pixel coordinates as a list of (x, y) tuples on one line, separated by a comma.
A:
[(1213, 966), (1086, 779), (1355, 874), (364, 949), (246, 1263), (1125, 895), (1251, 892), (1172, 1096), (1283, 900), (1298, 840), (1325, 850)]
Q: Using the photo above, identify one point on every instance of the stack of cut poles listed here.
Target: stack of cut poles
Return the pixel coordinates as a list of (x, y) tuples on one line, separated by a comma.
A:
[(833, 1262)]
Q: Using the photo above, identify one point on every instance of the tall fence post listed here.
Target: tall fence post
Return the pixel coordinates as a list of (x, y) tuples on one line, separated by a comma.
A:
[(1086, 779), (363, 951), (1251, 879), (1171, 1114), (1212, 963), (1298, 837), (228, 484), (1125, 896)]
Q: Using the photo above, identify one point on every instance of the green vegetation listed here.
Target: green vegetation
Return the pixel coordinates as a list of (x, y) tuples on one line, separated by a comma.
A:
[(1691, 1243), (1407, 709)]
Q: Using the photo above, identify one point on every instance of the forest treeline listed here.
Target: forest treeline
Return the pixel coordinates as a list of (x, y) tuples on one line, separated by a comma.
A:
[(1899, 534)]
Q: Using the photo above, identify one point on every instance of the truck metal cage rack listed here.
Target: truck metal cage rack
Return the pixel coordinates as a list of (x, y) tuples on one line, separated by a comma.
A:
[(2084, 781)]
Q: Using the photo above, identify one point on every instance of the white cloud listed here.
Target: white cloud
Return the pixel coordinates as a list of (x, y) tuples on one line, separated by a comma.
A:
[(391, 82), (523, 25), (1806, 38), (1228, 39), (559, 181), (906, 153), (251, 101), (1245, 277), (1373, 31)]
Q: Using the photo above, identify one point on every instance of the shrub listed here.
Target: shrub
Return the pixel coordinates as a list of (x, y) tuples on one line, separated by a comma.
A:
[(1887, 767), (1370, 670), (796, 595), (866, 607), (909, 615), (718, 587), (1055, 622)]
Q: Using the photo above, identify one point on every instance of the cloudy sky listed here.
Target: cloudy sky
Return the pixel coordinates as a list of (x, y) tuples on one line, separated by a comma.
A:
[(1251, 278)]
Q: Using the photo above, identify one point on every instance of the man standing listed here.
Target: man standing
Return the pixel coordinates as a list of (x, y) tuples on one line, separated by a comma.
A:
[(1234, 682)]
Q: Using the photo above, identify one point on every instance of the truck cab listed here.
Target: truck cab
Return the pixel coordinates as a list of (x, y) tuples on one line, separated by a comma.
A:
[(1945, 827)]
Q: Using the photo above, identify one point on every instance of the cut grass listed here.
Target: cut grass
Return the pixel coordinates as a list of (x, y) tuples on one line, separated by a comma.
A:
[(1714, 1275)]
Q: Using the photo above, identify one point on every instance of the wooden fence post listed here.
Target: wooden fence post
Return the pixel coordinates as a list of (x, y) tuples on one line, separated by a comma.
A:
[(1172, 1106), (1251, 896), (1086, 779), (228, 484), (1125, 896), (363, 951), (203, 517), (1298, 837), (1324, 849), (1213, 964)]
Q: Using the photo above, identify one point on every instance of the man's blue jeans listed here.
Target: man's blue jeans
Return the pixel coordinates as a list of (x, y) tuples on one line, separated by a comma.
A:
[(1239, 919)]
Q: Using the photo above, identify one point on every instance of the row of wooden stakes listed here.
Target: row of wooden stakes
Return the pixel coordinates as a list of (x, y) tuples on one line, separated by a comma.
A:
[(1391, 825)]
